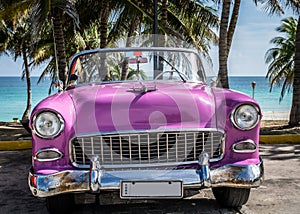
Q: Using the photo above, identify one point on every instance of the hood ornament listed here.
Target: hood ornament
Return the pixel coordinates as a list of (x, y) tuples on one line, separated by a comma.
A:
[(137, 60)]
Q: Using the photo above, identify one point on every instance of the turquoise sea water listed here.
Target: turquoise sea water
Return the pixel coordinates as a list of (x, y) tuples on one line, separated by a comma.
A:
[(13, 94), (269, 101)]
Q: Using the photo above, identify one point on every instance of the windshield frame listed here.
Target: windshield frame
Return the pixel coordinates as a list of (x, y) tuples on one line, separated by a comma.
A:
[(133, 49)]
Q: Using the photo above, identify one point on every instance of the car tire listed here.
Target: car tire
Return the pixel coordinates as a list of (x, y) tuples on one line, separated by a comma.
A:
[(60, 203), (231, 197)]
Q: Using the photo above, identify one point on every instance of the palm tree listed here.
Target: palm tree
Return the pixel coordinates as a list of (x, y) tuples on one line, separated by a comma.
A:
[(135, 22), (192, 21), (278, 6), (17, 42), (188, 20), (295, 111), (106, 8), (121, 16), (280, 59), (116, 73), (223, 48), (43, 52), (55, 10), (226, 32), (11, 11), (130, 17)]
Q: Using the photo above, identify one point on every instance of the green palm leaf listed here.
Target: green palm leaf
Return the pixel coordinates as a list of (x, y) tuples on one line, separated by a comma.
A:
[(280, 59)]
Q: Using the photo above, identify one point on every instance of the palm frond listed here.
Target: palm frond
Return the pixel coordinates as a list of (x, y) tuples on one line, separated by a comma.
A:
[(280, 59), (273, 7)]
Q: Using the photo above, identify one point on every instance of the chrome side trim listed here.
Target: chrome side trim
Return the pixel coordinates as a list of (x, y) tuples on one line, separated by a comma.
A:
[(46, 150)]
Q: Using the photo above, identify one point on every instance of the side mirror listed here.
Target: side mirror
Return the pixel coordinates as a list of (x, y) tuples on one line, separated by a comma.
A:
[(72, 80), (213, 82), (58, 85), (73, 77)]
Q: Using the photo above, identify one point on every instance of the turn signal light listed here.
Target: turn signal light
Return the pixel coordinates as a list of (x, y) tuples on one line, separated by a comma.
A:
[(245, 146)]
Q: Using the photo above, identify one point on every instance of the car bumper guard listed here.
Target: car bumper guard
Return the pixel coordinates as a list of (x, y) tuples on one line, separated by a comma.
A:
[(96, 178)]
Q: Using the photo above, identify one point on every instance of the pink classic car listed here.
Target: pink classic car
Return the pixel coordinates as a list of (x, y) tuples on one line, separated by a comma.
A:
[(144, 123)]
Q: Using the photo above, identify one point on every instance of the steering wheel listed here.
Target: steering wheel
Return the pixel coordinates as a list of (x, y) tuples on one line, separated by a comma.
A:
[(181, 75)]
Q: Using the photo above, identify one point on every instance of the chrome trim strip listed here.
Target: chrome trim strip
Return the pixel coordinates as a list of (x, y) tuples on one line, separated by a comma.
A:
[(83, 156), (244, 151), (129, 49), (46, 150), (150, 165), (146, 131)]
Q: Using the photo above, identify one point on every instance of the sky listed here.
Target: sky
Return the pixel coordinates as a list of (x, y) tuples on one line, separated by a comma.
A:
[(255, 29)]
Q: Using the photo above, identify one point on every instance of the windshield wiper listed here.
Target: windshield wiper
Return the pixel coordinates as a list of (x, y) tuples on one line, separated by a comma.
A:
[(181, 75)]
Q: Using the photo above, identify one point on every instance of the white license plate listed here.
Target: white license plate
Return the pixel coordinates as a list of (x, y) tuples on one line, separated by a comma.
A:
[(151, 189)]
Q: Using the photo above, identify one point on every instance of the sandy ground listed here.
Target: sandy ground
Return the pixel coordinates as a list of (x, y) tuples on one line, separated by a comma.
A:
[(278, 194), (280, 190), (276, 115), (12, 131)]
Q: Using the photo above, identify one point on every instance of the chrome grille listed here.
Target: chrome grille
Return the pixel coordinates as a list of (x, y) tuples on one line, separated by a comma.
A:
[(118, 150)]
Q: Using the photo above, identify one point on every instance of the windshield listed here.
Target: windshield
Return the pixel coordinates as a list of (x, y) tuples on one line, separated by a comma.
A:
[(132, 64)]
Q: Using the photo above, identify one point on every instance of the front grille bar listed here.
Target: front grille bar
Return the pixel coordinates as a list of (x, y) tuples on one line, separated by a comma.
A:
[(146, 148)]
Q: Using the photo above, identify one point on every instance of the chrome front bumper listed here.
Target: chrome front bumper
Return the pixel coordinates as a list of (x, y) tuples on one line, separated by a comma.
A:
[(97, 179)]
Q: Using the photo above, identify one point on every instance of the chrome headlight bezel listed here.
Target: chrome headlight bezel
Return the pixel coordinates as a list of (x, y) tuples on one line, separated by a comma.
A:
[(251, 110), (54, 118)]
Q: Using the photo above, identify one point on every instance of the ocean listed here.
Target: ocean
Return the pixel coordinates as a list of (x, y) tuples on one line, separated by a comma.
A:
[(13, 94)]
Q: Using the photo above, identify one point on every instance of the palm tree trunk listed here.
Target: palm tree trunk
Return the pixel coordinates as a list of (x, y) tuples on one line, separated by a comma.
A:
[(29, 94), (232, 25), (131, 29), (164, 12), (223, 53), (60, 45), (133, 26), (103, 24), (163, 20), (295, 111)]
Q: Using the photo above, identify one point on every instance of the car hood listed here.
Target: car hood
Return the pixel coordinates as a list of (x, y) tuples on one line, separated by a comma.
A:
[(118, 107)]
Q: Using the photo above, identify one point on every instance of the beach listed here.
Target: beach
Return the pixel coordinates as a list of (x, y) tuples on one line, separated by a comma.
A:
[(10, 131), (278, 194), (13, 96), (276, 115)]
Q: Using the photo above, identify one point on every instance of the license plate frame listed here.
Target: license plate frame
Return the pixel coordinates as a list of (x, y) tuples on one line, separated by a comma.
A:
[(151, 189)]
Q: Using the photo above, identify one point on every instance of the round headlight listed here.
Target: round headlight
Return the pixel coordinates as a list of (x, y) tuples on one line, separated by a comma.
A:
[(245, 117), (48, 124)]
